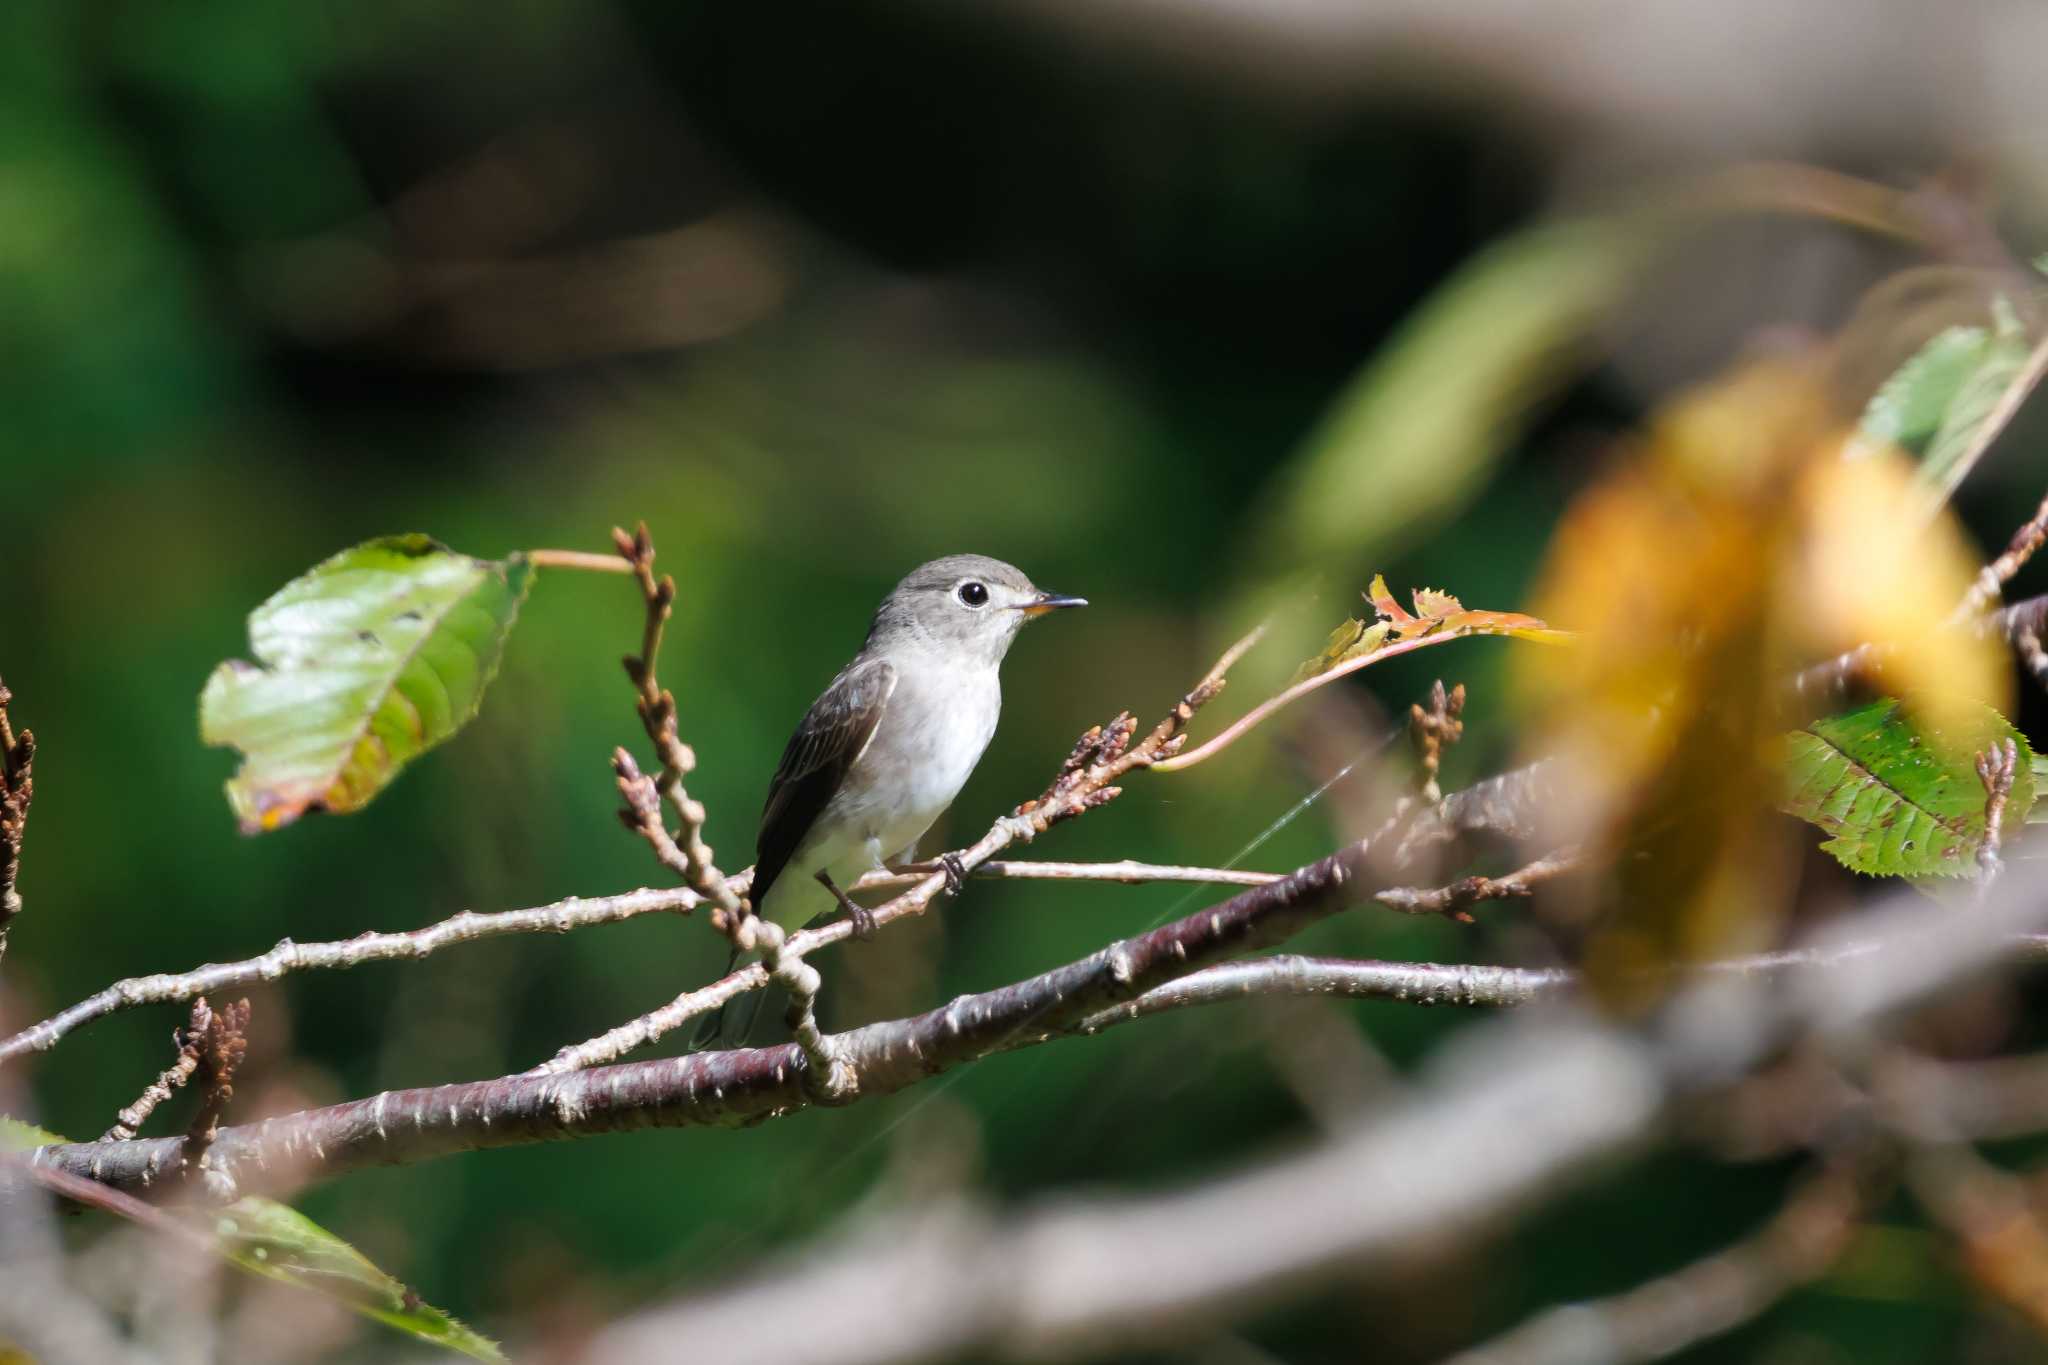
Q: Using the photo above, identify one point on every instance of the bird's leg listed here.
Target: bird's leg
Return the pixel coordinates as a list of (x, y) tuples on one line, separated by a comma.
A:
[(863, 918), (956, 873)]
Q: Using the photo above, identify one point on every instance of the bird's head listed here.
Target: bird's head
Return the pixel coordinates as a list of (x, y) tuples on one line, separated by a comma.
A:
[(969, 606)]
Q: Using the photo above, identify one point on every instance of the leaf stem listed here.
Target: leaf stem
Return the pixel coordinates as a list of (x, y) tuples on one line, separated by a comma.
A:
[(586, 560)]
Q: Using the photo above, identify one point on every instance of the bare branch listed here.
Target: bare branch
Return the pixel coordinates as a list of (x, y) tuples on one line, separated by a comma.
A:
[(561, 917), (2016, 624), (1701, 1301), (1454, 901), (17, 789), (1126, 871), (465, 927), (1414, 983), (1996, 768), (742, 1085), (191, 1042), (688, 855), (1434, 730), (1259, 714)]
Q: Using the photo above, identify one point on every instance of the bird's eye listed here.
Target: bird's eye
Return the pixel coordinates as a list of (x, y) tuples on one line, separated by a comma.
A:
[(972, 594)]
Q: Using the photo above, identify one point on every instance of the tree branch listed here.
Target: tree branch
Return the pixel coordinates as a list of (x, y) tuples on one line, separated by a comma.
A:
[(687, 855), (739, 1086), (191, 1042), (17, 789), (1831, 678), (466, 927), (561, 917), (1509, 1113)]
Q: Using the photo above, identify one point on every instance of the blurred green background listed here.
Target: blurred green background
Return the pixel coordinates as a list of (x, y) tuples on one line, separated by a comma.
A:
[(817, 303)]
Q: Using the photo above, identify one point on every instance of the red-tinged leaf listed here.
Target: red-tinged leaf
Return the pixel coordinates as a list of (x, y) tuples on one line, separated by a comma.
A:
[(1383, 602), (1441, 614)]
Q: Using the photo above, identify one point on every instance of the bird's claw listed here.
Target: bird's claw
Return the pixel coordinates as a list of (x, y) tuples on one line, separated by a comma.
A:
[(956, 873), (863, 921)]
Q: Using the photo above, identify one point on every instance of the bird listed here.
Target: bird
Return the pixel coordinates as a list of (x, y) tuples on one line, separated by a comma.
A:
[(886, 747)]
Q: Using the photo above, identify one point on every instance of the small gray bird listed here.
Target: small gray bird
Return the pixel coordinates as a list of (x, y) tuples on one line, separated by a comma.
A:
[(886, 748)]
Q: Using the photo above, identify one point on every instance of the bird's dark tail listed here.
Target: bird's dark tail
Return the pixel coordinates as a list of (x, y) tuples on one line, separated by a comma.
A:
[(728, 1026)]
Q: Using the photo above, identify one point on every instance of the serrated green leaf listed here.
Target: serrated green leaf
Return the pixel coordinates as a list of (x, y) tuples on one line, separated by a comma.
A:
[(365, 662), (274, 1240), (1910, 406), (1898, 796), (17, 1136)]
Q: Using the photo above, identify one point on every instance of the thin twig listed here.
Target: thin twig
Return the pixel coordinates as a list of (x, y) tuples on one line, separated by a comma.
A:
[(191, 1044), (1996, 768), (1253, 718), (1126, 871), (1454, 900), (657, 707), (1831, 678), (1991, 580), (1433, 730), (17, 789)]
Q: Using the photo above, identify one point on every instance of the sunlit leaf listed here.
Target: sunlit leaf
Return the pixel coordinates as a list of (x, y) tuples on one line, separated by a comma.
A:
[(1436, 614), (365, 662), (1900, 796), (267, 1238)]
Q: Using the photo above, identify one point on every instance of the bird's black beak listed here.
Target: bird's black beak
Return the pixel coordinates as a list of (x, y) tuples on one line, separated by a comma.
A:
[(1051, 601)]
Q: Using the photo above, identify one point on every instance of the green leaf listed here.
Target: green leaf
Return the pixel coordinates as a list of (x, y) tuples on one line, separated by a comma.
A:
[(270, 1239), (17, 1136), (1963, 432), (1897, 796), (1346, 642), (267, 1238), (365, 662), (1911, 406)]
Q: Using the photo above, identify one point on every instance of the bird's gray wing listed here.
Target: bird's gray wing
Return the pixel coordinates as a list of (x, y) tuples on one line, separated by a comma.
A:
[(835, 732)]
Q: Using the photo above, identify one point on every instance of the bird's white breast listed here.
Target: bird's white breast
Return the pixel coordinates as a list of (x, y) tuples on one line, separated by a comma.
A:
[(937, 724)]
